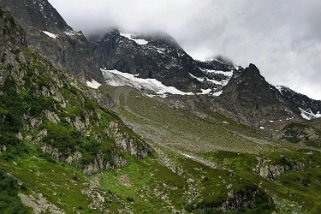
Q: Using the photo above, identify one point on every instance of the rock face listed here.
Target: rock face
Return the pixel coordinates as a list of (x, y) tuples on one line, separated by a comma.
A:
[(300, 100), (48, 32), (236, 201), (101, 163), (241, 94), (159, 57), (39, 204), (254, 101), (272, 171), (301, 133), (127, 143), (249, 198), (46, 106)]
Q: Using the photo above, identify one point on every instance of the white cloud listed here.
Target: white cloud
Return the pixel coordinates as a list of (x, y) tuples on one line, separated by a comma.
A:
[(283, 38)]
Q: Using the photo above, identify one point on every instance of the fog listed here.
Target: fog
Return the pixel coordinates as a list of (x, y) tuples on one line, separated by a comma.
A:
[(283, 38)]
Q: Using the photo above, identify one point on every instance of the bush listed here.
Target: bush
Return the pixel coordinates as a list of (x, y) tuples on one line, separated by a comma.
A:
[(62, 137), (9, 200)]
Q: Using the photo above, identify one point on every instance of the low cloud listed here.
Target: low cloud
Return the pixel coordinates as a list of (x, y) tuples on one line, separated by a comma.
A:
[(283, 38)]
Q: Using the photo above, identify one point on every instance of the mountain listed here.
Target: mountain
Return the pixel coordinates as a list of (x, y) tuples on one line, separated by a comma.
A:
[(158, 56), (130, 59), (164, 134), (48, 32), (309, 108)]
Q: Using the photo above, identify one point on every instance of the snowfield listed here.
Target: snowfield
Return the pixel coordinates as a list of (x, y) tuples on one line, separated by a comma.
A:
[(51, 35), (93, 84), (131, 37), (118, 78), (309, 115)]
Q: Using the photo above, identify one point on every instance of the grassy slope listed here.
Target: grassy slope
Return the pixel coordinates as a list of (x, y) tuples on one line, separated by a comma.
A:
[(294, 190), (187, 133), (179, 128), (157, 186)]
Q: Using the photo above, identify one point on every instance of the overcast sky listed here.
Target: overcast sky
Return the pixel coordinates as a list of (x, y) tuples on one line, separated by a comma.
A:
[(283, 38)]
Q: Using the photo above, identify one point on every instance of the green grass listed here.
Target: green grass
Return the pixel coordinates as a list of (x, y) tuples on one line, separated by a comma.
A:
[(139, 183), (9, 200), (59, 183), (179, 127), (294, 190)]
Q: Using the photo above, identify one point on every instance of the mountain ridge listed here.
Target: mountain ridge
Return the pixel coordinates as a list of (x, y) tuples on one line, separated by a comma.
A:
[(72, 144)]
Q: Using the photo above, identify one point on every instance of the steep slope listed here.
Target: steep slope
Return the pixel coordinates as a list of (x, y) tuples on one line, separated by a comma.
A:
[(155, 62), (53, 137), (158, 56), (255, 101), (219, 142), (42, 104), (309, 108), (48, 32)]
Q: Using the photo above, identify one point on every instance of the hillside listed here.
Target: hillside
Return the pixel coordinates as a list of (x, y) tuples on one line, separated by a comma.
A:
[(124, 123)]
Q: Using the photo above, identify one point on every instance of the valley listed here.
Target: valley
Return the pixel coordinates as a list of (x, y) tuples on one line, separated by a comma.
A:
[(125, 123)]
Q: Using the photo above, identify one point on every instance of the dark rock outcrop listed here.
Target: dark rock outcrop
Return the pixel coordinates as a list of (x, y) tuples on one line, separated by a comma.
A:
[(254, 101), (300, 100), (64, 47), (46, 106), (271, 171), (159, 58), (301, 133)]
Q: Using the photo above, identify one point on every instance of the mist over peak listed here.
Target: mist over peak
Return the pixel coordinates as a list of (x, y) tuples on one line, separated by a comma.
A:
[(282, 38)]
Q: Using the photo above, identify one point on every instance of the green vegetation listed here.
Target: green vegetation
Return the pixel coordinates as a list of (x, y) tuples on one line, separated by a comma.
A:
[(303, 133), (58, 183), (40, 105), (160, 122), (9, 200), (294, 190)]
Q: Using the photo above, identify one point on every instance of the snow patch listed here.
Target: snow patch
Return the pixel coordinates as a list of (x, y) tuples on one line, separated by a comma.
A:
[(217, 94), (206, 91), (279, 88), (203, 79), (198, 78), (52, 35), (161, 50), (309, 115), (225, 73), (117, 78), (236, 67), (131, 37), (72, 33), (93, 84)]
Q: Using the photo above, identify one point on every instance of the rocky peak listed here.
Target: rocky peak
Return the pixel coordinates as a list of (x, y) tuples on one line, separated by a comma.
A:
[(253, 73), (38, 14), (256, 101), (250, 85), (301, 101), (47, 31), (10, 33)]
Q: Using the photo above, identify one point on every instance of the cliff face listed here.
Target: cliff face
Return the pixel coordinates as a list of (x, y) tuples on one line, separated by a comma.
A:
[(49, 33), (46, 106), (158, 56)]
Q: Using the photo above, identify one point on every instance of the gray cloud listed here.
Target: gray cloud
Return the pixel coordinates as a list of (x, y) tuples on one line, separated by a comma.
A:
[(283, 38)]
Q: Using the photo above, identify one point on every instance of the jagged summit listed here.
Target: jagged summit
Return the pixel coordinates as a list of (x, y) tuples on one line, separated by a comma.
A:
[(310, 108), (39, 14), (210, 144), (48, 32), (155, 58)]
